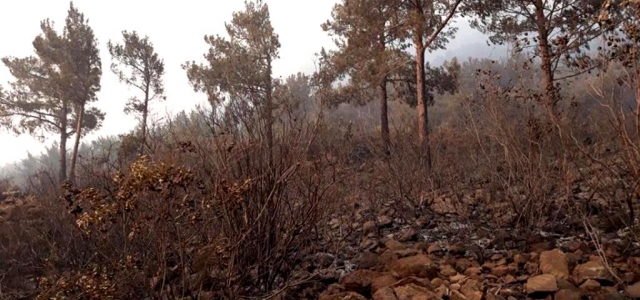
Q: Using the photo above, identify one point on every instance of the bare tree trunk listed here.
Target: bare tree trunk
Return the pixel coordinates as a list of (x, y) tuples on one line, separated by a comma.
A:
[(545, 57), (269, 113), (423, 113), (145, 113), (76, 144), (384, 118), (637, 102), (629, 200), (62, 176)]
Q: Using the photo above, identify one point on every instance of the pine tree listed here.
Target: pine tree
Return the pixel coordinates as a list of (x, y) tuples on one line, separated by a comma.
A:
[(51, 89), (239, 68), (369, 45), (558, 32), (84, 71), (428, 25), (137, 64)]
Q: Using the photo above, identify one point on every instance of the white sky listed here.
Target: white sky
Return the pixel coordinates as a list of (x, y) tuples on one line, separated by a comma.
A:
[(176, 28)]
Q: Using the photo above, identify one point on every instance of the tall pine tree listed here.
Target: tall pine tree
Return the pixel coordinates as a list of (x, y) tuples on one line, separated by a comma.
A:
[(51, 90), (369, 45), (239, 68), (144, 71)]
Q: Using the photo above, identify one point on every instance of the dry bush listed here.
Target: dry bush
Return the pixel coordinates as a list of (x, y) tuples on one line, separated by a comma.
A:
[(609, 173), (37, 239), (514, 149), (207, 215)]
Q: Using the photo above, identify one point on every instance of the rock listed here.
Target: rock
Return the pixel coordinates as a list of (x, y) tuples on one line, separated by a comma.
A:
[(329, 275), (500, 271), (494, 297), (531, 267), (456, 295), (496, 257), (633, 290), (324, 260), (488, 266), (593, 269), (436, 282), (541, 247), (382, 282), (564, 284), (448, 271), (608, 293), (519, 259), (368, 260), (369, 244), (442, 292), (434, 249), (359, 281), (415, 280), (501, 262), (334, 289), (405, 253), (590, 285), (408, 235), (394, 245), (384, 221), (491, 277), (419, 266), (578, 245), (457, 278), (463, 264), (472, 290), (384, 294), (369, 227), (456, 249), (544, 283), (509, 279), (554, 262), (414, 292), (568, 295), (472, 271), (630, 277), (344, 296)]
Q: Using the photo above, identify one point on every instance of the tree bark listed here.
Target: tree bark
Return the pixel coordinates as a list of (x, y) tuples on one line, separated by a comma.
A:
[(423, 112), (545, 57), (269, 113), (62, 176), (145, 113), (637, 102), (384, 117), (76, 144)]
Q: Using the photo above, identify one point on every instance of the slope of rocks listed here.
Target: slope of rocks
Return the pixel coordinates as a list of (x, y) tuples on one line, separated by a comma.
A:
[(412, 271)]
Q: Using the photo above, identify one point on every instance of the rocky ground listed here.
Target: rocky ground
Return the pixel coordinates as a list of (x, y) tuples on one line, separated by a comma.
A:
[(469, 252), (444, 259), (448, 251)]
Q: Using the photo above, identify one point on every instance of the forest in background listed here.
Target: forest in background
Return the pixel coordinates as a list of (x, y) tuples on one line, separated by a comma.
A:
[(231, 199)]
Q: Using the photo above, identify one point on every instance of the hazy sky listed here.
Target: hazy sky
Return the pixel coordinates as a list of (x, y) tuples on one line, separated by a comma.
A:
[(176, 29)]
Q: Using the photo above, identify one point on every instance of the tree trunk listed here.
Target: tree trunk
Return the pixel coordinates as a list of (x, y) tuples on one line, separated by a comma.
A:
[(62, 176), (384, 117), (269, 113), (145, 113), (637, 67), (545, 57), (76, 144), (384, 108), (423, 113)]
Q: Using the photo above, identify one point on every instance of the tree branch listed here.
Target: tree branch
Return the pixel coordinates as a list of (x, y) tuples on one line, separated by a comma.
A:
[(444, 23)]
